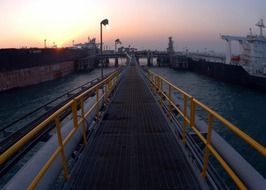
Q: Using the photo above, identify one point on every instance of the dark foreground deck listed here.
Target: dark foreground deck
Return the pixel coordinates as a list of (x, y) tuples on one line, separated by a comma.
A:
[(133, 147)]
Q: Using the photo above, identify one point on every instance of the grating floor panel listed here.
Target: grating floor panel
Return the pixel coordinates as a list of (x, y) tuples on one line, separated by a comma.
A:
[(133, 147)]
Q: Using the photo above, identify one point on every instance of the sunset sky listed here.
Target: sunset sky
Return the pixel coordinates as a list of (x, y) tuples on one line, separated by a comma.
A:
[(193, 24)]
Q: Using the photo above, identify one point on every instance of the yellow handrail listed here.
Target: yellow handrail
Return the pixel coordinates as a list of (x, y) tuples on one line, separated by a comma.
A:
[(161, 85), (107, 84)]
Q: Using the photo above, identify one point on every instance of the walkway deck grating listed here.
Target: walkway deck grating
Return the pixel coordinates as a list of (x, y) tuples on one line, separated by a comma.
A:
[(133, 147)]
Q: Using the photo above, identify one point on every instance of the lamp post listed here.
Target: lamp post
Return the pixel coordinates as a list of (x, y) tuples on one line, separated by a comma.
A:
[(103, 22), (117, 41)]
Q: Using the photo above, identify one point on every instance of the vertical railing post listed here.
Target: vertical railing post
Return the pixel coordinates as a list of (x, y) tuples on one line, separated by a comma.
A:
[(192, 112), (184, 121), (60, 142), (161, 92), (75, 113), (170, 100), (83, 121), (206, 154)]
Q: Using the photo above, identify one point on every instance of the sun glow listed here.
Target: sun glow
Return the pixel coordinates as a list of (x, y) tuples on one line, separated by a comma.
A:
[(26, 23), (57, 21)]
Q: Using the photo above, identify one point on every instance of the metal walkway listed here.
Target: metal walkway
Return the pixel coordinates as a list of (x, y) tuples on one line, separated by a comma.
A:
[(133, 147)]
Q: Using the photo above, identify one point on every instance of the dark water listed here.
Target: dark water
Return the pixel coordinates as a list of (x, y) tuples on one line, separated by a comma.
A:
[(16, 103), (244, 107)]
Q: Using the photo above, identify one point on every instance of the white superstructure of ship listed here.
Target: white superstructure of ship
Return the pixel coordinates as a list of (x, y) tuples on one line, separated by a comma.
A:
[(252, 52)]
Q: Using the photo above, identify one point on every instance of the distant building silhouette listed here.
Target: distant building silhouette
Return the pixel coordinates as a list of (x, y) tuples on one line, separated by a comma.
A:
[(170, 48)]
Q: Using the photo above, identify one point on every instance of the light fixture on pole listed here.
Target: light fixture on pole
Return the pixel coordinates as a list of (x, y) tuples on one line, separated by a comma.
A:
[(117, 41), (103, 22)]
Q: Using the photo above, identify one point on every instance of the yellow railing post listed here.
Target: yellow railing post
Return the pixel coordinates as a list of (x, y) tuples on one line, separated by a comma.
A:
[(184, 120), (192, 112), (161, 92), (83, 121), (170, 100), (60, 142), (206, 154), (75, 113)]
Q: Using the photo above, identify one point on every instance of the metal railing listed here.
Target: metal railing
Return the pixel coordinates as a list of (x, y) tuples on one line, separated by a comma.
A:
[(101, 90), (20, 126), (166, 89)]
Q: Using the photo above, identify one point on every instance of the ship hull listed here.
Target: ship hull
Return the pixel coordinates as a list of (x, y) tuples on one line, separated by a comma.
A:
[(24, 67), (14, 59), (34, 75), (228, 73)]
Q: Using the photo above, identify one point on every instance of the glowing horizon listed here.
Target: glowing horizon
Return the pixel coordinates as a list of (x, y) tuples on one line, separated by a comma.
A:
[(193, 24)]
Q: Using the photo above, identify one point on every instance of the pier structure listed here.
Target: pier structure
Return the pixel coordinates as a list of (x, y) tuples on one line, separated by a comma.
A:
[(134, 147), (130, 131), (85, 64), (161, 57)]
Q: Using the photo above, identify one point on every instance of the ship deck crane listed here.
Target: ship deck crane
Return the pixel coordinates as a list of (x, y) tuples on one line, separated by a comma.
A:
[(228, 39)]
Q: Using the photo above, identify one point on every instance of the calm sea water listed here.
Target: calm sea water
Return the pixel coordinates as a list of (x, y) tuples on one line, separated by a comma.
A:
[(244, 107), (16, 103)]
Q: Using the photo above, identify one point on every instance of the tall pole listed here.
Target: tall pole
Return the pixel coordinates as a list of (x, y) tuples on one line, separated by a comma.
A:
[(103, 22), (117, 41), (101, 49)]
